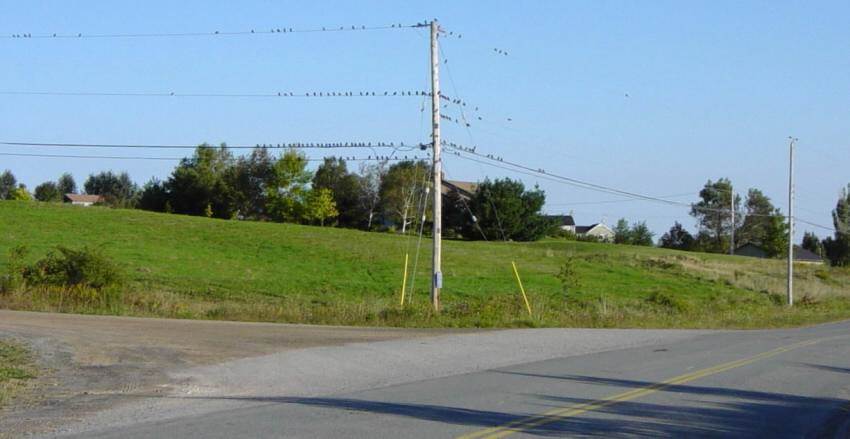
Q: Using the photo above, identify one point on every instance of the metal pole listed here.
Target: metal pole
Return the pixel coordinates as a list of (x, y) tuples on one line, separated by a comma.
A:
[(732, 209), (437, 276), (791, 221)]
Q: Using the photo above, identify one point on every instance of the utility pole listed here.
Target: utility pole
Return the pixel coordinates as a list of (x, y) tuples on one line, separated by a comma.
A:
[(437, 276), (732, 209), (791, 220)]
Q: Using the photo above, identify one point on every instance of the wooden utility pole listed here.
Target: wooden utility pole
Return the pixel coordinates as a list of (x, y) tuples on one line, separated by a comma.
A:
[(437, 276), (732, 209), (791, 221)]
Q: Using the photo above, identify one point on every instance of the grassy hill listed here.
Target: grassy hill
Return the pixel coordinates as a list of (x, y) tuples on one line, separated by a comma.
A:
[(190, 267)]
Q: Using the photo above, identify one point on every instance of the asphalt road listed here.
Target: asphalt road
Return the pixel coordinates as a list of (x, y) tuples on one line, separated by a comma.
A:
[(783, 383)]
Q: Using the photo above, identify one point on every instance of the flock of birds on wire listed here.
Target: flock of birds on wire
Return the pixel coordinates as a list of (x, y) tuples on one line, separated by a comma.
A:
[(276, 30), (422, 146), (302, 145), (471, 150), (380, 158)]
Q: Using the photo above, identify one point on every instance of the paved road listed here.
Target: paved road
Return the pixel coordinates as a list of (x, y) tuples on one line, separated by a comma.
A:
[(784, 383)]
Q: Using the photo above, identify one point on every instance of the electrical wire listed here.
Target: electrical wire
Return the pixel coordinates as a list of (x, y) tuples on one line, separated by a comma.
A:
[(279, 94), (74, 156), (250, 32), (295, 145), (815, 224)]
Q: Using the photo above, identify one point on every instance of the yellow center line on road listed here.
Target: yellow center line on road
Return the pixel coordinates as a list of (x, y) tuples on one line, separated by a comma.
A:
[(561, 413)]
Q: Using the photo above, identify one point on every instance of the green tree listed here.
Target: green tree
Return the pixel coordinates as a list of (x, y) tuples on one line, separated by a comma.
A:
[(763, 225), (287, 188), (20, 194), (371, 176), (8, 184), (66, 184), (249, 180), (116, 189), (399, 189), (837, 248), (622, 232), (504, 209), (812, 243), (320, 206), (714, 216), (345, 188), (641, 235), (775, 240), (677, 238), (154, 196), (47, 191), (199, 181)]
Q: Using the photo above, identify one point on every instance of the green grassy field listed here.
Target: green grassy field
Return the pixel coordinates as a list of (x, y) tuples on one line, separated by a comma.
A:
[(190, 267)]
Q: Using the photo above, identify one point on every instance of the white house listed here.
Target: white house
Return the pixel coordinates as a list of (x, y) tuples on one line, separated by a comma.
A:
[(599, 231)]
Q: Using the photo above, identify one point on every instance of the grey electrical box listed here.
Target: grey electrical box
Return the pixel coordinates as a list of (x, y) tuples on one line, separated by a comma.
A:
[(438, 279)]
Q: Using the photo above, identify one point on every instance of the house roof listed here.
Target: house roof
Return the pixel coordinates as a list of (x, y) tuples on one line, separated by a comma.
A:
[(585, 229), (563, 220), (82, 198), (466, 188), (802, 254), (748, 245)]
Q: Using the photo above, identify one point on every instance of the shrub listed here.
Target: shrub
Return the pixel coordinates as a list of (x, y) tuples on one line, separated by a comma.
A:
[(12, 279), (568, 276), (568, 235), (65, 267), (667, 301)]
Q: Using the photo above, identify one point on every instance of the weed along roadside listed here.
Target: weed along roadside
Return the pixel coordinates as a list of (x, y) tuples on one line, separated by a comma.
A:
[(17, 370), (90, 261)]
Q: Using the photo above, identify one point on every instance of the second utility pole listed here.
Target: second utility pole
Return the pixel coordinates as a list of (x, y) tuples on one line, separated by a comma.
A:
[(437, 276), (791, 221)]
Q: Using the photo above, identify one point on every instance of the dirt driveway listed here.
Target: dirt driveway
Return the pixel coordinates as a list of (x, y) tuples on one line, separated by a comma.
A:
[(92, 362)]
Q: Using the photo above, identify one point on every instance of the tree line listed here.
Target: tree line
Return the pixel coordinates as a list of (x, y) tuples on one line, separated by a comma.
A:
[(755, 221), (260, 186)]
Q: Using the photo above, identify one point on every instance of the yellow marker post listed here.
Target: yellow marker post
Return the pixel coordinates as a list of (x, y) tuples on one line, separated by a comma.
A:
[(404, 280), (521, 289)]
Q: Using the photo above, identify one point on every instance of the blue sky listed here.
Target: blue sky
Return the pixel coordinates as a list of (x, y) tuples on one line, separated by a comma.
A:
[(652, 97)]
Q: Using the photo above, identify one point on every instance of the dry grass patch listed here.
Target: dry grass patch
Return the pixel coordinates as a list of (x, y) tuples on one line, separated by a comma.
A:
[(17, 370)]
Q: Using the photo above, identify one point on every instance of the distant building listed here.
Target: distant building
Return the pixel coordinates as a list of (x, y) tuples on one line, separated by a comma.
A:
[(564, 222), (806, 256), (599, 231), (465, 189), (751, 250), (568, 224), (82, 200), (800, 254)]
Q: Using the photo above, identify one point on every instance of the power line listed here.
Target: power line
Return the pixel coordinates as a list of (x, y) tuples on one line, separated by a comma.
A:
[(292, 145), (102, 157), (568, 180), (277, 94), (250, 32), (522, 169), (622, 200), (815, 224)]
